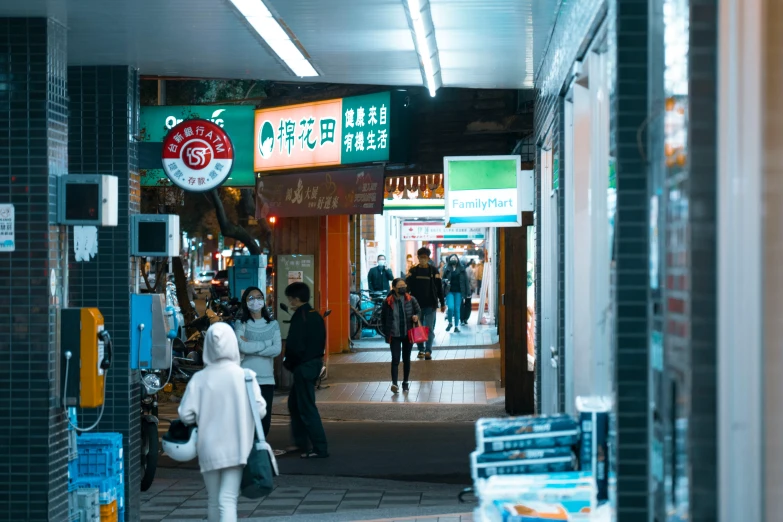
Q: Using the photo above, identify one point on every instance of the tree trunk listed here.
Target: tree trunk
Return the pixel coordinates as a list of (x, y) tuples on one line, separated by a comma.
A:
[(229, 229), (181, 283)]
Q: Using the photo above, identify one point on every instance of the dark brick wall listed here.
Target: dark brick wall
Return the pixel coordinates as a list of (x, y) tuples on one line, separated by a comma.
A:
[(628, 44), (103, 118), (33, 135), (702, 192)]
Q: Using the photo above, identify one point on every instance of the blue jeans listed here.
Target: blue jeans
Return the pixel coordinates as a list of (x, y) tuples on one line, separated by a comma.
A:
[(428, 319), (454, 302)]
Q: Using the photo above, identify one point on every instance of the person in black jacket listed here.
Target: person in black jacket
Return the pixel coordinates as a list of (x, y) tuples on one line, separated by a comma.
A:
[(399, 313), (455, 279), (304, 352), (425, 285), (379, 276)]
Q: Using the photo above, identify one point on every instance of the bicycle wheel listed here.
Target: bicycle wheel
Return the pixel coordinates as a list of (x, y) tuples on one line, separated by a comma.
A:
[(356, 325)]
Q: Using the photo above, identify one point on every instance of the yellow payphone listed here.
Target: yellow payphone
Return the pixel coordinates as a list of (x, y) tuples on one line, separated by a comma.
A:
[(87, 350)]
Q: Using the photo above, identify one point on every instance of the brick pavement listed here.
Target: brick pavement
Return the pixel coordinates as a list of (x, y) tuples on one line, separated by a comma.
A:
[(180, 495)]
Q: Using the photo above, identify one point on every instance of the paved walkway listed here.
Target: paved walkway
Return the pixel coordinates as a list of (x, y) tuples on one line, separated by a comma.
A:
[(437, 355), (422, 392), (179, 495), (471, 335)]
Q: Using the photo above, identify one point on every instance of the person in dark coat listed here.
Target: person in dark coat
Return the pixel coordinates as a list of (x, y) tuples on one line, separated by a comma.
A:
[(400, 312), (424, 283), (456, 284), (379, 276), (304, 353)]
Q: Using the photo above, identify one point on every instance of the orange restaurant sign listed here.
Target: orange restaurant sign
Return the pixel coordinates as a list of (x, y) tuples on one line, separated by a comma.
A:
[(298, 136)]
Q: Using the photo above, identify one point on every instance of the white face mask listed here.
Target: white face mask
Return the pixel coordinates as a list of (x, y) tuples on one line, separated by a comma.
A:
[(255, 306), (381, 262)]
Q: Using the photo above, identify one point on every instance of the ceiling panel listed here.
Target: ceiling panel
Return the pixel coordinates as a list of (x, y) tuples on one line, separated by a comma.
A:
[(482, 43)]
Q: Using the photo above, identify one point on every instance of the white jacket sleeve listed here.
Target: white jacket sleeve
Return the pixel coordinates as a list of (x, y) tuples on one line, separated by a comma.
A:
[(189, 406)]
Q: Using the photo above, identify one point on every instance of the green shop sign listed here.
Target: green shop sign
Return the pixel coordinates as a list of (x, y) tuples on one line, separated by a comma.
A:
[(486, 191), (236, 120), (363, 129)]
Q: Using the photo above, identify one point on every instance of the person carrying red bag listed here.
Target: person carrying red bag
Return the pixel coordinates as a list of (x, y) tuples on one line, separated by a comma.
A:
[(399, 313)]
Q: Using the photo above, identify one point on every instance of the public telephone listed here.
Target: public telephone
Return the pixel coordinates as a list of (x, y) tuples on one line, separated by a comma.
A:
[(87, 350), (153, 326)]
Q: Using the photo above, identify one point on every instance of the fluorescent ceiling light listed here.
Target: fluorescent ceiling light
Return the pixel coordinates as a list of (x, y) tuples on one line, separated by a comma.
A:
[(266, 25), (420, 20)]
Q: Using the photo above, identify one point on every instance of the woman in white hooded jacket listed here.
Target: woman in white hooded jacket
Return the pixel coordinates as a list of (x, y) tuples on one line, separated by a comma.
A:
[(216, 400)]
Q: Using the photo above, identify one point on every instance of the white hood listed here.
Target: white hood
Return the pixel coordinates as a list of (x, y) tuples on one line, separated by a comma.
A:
[(221, 344)]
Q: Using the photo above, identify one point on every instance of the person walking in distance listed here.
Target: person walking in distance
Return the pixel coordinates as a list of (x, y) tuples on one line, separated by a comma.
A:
[(304, 353), (259, 343), (424, 283), (399, 313), (379, 276), (216, 400), (455, 280)]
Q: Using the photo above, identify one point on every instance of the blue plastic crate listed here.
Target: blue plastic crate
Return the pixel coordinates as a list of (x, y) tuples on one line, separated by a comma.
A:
[(120, 515), (73, 474), (99, 461), (102, 440), (107, 488)]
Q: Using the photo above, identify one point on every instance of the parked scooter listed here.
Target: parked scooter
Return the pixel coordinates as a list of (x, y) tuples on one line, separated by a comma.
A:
[(150, 386)]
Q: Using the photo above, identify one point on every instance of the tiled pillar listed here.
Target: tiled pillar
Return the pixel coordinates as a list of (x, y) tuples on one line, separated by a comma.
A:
[(338, 273), (103, 120), (33, 135), (628, 21)]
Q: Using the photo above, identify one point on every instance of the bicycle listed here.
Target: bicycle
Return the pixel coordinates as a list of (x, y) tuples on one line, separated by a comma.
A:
[(367, 318)]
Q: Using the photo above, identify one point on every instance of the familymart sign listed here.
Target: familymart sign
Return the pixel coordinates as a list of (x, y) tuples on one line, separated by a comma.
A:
[(486, 191)]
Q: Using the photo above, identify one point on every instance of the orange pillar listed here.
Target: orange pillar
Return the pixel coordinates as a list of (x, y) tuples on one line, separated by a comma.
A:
[(337, 261)]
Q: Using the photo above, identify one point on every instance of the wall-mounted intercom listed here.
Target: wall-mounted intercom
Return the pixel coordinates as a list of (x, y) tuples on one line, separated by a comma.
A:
[(86, 349), (153, 324), (87, 200), (155, 235)]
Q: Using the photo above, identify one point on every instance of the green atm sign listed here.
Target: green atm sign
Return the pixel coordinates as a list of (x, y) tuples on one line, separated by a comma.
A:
[(236, 120)]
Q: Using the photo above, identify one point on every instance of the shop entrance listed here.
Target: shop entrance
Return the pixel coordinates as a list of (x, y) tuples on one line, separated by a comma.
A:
[(398, 236)]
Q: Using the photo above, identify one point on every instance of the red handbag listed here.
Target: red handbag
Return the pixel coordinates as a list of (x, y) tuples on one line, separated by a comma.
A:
[(418, 334)]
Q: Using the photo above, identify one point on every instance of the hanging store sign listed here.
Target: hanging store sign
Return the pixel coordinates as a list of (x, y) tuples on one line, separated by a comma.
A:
[(197, 155), (353, 191), (235, 120), (486, 191), (334, 132), (437, 231)]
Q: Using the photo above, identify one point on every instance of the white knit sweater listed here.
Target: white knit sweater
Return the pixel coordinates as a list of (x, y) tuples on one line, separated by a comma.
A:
[(263, 344)]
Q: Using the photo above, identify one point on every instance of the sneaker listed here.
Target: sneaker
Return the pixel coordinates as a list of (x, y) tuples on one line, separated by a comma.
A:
[(395, 388), (427, 356), (406, 386), (456, 329), (448, 327), (421, 355)]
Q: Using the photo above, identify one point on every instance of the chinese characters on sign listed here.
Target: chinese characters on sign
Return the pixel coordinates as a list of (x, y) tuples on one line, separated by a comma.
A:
[(7, 233), (298, 136), (157, 121), (334, 132), (197, 155), (355, 191), (366, 128)]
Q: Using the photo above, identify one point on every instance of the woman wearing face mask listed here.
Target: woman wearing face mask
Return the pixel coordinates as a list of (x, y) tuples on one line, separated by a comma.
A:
[(456, 285), (399, 313), (259, 343)]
